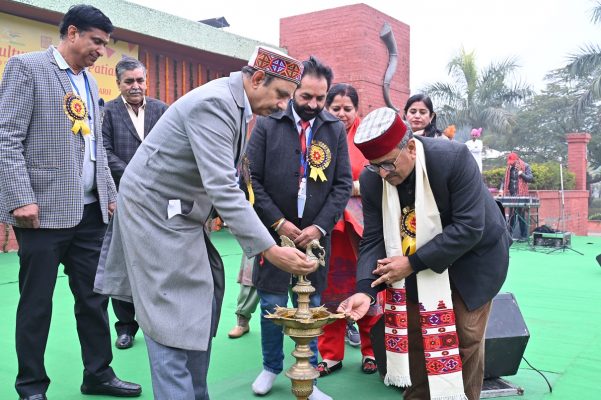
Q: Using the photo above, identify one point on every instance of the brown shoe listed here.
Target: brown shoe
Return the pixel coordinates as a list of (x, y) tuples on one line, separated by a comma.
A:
[(240, 329)]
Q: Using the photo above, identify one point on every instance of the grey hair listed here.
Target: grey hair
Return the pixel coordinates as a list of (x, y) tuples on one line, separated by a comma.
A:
[(249, 71), (128, 64), (408, 136)]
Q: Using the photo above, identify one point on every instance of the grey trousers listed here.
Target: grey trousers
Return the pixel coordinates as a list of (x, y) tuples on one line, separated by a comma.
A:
[(178, 374)]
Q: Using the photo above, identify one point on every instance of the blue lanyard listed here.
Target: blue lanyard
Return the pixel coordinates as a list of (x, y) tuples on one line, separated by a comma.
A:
[(304, 158), (88, 96)]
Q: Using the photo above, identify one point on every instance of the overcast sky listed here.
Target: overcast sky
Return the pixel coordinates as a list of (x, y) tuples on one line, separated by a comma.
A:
[(540, 33)]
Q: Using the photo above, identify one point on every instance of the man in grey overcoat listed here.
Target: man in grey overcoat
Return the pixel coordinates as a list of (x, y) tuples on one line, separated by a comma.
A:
[(57, 192), (159, 254)]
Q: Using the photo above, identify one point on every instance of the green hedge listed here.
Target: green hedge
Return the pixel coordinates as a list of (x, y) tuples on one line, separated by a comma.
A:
[(546, 177)]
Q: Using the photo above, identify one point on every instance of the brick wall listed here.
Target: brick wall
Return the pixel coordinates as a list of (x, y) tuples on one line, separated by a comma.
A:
[(575, 218), (348, 40), (594, 228)]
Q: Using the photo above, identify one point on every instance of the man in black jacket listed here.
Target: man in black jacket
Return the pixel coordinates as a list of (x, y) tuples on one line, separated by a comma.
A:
[(473, 244), (301, 179)]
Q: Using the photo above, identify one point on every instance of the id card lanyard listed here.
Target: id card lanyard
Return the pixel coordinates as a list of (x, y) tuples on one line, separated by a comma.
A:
[(89, 107), (304, 162)]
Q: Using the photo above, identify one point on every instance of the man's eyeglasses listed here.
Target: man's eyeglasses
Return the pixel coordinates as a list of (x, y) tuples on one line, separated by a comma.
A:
[(386, 166)]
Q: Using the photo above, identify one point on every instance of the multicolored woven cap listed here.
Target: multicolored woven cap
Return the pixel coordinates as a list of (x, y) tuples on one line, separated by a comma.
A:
[(276, 63), (379, 132)]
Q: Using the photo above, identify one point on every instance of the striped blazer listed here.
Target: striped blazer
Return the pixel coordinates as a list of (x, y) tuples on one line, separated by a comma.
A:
[(42, 160)]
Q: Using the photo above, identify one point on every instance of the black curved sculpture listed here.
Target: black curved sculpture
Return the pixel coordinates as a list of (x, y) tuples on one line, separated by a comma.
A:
[(388, 38)]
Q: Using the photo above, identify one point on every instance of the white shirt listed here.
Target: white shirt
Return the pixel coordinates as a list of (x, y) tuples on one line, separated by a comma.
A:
[(475, 147), (137, 120), (297, 122)]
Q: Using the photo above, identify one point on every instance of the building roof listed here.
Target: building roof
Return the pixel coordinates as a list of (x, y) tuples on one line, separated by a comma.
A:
[(160, 25)]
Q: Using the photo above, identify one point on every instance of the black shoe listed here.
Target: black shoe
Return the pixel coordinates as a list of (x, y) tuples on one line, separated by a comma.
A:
[(124, 341), (115, 387), (35, 397)]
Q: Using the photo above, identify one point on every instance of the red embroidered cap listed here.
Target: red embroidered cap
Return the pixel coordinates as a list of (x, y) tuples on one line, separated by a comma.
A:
[(379, 132), (276, 63)]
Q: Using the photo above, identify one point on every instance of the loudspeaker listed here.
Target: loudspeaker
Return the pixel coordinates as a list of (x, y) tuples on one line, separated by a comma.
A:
[(555, 239), (506, 337)]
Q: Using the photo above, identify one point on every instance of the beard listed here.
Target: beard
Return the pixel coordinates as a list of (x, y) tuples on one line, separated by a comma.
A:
[(305, 112)]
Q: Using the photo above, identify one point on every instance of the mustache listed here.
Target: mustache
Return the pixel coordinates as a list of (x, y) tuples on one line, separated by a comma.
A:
[(135, 91)]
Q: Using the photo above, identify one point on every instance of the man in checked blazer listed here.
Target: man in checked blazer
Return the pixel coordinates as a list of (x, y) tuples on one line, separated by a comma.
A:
[(57, 193), (127, 121)]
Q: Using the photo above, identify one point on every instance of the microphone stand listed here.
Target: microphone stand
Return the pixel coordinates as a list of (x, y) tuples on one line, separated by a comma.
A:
[(562, 222)]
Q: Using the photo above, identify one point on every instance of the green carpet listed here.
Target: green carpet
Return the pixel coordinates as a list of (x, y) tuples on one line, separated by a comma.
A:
[(558, 295)]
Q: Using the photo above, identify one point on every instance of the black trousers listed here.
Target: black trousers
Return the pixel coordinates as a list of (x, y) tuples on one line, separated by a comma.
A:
[(518, 223), (40, 253), (126, 314)]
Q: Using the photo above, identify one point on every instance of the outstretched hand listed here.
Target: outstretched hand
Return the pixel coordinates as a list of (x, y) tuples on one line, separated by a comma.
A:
[(355, 307), (290, 260)]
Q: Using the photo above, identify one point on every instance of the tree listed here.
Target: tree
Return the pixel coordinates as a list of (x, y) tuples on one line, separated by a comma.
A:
[(588, 64), (487, 99), (546, 118)]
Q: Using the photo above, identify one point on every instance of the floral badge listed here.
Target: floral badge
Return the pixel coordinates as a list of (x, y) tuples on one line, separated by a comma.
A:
[(320, 157), (76, 111), (408, 228)]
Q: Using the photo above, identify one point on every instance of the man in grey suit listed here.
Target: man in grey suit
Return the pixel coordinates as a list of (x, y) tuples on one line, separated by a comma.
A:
[(184, 171), (473, 244), (57, 192), (127, 121)]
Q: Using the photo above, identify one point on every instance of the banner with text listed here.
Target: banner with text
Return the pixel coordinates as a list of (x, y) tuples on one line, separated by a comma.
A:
[(21, 35)]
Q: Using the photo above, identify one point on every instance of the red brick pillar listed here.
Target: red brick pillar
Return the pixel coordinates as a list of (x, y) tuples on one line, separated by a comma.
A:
[(348, 40), (577, 160)]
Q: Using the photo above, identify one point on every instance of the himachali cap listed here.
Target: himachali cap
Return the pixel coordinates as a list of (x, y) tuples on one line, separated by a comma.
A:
[(379, 132), (276, 63)]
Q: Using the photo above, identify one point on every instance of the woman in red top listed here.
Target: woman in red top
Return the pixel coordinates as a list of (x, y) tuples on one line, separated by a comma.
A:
[(342, 101)]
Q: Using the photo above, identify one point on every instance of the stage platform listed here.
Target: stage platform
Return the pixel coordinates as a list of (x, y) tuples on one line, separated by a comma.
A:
[(558, 295)]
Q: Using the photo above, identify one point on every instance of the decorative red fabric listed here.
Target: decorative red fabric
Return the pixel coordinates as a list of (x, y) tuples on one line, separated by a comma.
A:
[(522, 184)]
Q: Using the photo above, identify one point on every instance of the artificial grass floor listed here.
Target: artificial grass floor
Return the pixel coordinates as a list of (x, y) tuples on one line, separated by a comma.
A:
[(558, 295)]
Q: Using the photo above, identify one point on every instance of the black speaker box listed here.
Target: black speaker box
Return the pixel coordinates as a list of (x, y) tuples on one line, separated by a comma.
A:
[(506, 338), (554, 239)]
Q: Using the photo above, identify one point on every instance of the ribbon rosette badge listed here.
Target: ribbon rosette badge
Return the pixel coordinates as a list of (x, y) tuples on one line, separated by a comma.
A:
[(408, 226), (320, 157), (76, 111)]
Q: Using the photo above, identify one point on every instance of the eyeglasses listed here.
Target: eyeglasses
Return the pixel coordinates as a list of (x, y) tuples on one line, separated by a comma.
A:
[(386, 166)]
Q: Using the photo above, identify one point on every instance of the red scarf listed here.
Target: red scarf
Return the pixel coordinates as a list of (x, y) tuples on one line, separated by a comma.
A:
[(522, 184)]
